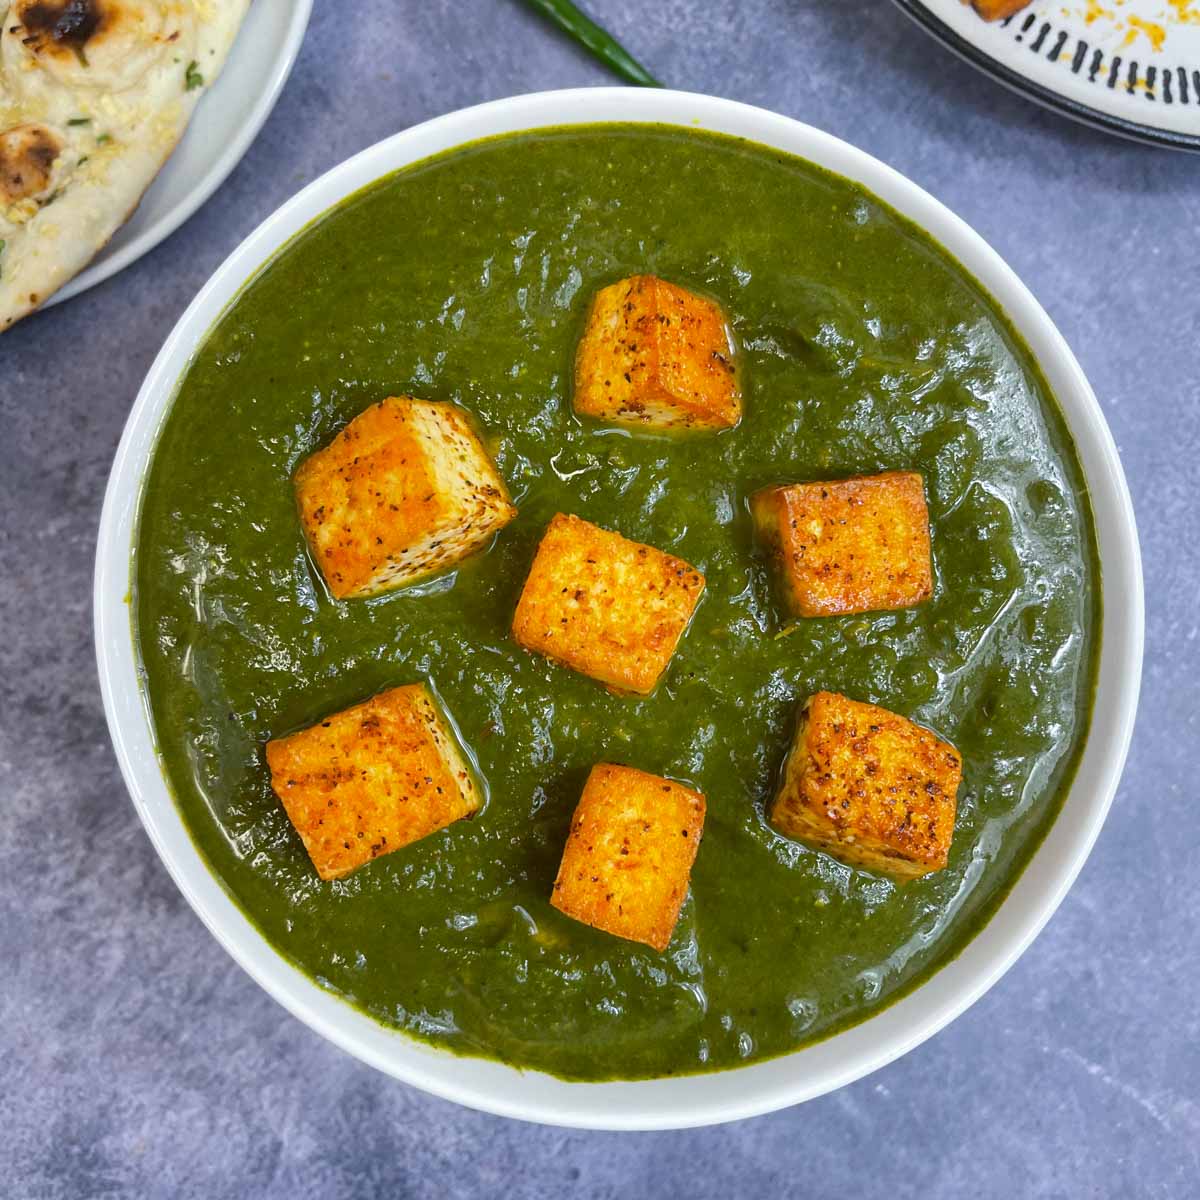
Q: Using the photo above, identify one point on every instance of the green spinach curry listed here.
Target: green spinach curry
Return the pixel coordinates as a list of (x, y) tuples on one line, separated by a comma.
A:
[(864, 347)]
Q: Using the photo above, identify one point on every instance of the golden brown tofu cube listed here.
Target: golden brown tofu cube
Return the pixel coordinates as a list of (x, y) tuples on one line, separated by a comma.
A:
[(869, 787), (605, 606), (370, 779), (654, 355), (850, 546), (630, 851), (994, 10), (406, 489)]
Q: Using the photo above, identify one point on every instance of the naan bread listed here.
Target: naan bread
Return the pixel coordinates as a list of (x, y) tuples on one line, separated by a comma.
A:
[(94, 96)]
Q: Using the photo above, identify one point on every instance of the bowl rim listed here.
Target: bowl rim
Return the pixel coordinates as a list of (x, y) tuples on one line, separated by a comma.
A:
[(693, 1100)]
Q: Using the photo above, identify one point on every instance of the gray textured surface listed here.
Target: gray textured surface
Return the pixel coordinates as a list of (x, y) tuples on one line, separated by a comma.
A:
[(136, 1059)]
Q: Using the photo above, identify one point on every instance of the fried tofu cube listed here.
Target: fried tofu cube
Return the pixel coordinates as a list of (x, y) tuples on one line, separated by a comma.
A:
[(869, 787), (605, 606), (629, 854), (851, 546), (995, 10), (654, 355), (372, 778), (406, 489)]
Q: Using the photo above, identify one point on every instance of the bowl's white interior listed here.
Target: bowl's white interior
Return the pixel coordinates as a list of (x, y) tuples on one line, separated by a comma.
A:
[(693, 1100)]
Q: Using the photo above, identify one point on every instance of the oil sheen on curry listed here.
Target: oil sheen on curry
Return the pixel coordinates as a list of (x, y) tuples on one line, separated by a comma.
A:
[(574, 753)]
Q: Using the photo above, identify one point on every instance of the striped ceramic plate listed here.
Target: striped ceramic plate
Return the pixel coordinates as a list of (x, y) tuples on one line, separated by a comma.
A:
[(1129, 66)]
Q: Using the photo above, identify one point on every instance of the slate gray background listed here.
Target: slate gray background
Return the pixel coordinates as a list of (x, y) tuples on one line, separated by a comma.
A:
[(136, 1059)]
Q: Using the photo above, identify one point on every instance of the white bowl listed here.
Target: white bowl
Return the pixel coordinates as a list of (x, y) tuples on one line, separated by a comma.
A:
[(701, 1099)]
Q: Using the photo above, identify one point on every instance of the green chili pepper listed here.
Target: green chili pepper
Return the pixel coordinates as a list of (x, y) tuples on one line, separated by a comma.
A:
[(601, 44)]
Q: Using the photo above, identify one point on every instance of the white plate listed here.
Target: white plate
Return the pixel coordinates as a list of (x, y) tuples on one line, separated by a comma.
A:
[(1128, 66), (657, 1103), (226, 121)]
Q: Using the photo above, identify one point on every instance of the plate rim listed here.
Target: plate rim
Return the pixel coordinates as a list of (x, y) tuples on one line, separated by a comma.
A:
[(99, 270), (922, 15), (687, 1101)]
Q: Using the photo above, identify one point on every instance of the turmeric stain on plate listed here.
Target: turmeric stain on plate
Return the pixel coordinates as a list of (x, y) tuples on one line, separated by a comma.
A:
[(1148, 26), (1155, 32), (1185, 12)]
